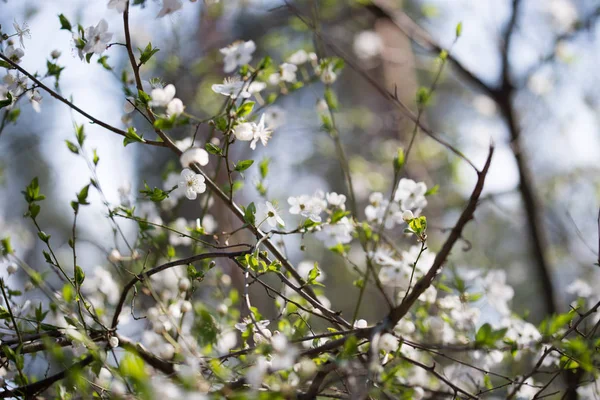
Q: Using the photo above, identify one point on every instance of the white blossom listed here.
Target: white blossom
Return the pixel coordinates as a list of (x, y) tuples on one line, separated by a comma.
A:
[(287, 72), (336, 200), (232, 87), (411, 195), (97, 38), (244, 131), (117, 5), (367, 44), (339, 233), (35, 98), (580, 288), (256, 87), (226, 342), (327, 74), (22, 31), (299, 57), (169, 7), (387, 342), (191, 183), (267, 212), (113, 341), (11, 268), (14, 54), (260, 132), (175, 107), (161, 97), (498, 292), (307, 206), (237, 54), (194, 155), (274, 117)]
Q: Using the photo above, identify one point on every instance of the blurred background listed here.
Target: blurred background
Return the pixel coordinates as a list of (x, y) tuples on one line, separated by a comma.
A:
[(524, 78)]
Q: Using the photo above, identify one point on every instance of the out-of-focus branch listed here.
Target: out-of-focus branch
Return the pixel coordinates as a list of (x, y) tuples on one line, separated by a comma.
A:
[(31, 390), (503, 96), (531, 203), (383, 9), (391, 96)]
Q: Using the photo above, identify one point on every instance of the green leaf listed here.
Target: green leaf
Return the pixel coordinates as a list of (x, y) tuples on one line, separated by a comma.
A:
[(551, 325), (104, 62), (54, 69), (433, 190), (164, 123), (338, 215), (79, 275), (44, 237), (4, 314), (418, 225), (423, 96), (72, 147), (156, 194), (221, 124), (399, 160), (133, 367), (331, 99), (249, 214), (67, 292), (131, 136), (486, 336), (264, 167), (64, 22), (96, 158), (213, 149), (7, 102), (33, 210), (265, 63), (143, 97), (243, 165), (245, 109), (459, 28), (80, 134), (147, 53), (83, 194), (13, 115), (6, 246)]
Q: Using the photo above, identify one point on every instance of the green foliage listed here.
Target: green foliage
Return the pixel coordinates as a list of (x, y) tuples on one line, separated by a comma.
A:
[(147, 53)]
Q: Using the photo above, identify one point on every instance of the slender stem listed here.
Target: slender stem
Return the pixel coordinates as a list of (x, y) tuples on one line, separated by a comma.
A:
[(73, 106)]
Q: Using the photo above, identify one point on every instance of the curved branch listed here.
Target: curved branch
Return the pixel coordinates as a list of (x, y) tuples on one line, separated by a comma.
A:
[(155, 270)]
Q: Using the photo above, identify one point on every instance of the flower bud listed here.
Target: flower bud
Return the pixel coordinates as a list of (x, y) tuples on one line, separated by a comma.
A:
[(408, 216), (11, 268), (113, 341), (399, 160), (184, 284)]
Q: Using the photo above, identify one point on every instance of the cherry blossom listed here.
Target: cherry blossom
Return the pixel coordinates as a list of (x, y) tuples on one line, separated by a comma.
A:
[(191, 183), (237, 54), (97, 38)]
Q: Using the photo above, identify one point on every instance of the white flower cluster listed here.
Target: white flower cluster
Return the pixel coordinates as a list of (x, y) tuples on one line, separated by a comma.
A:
[(409, 196)]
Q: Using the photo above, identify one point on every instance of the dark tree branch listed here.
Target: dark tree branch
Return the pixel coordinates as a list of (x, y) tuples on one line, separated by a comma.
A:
[(73, 106), (160, 268), (422, 284), (30, 391), (503, 96)]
